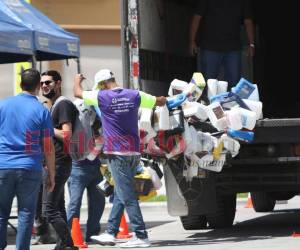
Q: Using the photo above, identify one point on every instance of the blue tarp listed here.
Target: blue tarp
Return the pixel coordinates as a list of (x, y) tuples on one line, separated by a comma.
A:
[(50, 41), (16, 42)]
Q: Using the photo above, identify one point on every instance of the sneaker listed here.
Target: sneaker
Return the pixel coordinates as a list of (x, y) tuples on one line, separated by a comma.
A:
[(43, 239), (136, 242), (104, 239)]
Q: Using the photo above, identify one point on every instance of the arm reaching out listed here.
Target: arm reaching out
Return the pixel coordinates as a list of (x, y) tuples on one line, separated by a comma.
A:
[(150, 101), (77, 89)]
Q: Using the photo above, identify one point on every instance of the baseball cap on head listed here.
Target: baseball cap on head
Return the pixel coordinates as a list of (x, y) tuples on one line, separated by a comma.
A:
[(102, 75)]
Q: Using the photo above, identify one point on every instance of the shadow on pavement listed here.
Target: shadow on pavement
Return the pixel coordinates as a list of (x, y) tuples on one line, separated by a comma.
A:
[(11, 239), (281, 223)]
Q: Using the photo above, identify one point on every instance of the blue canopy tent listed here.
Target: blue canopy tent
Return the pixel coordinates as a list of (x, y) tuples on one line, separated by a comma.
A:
[(16, 42), (50, 41)]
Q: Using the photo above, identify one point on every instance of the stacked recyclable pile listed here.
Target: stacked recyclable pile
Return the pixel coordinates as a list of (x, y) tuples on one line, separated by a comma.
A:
[(178, 127)]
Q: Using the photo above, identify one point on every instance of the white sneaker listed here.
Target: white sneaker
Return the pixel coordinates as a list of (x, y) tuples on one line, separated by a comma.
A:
[(104, 239), (136, 242)]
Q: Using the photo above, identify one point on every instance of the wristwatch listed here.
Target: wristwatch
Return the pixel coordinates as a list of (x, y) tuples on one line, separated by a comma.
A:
[(252, 45)]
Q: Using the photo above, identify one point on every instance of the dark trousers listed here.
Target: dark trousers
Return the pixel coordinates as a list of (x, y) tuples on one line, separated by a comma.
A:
[(54, 206), (41, 223)]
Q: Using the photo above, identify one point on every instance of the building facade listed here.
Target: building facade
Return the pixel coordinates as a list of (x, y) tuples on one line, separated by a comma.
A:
[(97, 23)]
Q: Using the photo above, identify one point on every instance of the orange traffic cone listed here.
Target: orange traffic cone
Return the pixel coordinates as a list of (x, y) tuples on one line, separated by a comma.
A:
[(249, 203), (76, 234), (33, 231), (123, 229)]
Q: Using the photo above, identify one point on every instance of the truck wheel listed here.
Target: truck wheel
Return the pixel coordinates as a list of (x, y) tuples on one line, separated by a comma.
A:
[(225, 213), (262, 202), (193, 222)]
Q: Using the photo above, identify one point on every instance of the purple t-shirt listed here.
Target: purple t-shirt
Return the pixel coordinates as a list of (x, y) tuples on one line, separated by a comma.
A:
[(119, 116)]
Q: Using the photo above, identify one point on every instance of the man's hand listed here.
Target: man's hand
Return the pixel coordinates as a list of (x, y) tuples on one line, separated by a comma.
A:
[(160, 101), (250, 51), (77, 89), (79, 78), (50, 183), (193, 48)]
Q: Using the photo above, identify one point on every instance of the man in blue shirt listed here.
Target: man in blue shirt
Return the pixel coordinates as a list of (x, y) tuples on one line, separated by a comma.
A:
[(25, 136)]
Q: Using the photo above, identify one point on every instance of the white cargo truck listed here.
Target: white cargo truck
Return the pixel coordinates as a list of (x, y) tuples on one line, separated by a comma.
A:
[(155, 51)]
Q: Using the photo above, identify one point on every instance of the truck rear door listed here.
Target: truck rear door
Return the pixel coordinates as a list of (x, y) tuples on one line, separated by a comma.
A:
[(155, 43)]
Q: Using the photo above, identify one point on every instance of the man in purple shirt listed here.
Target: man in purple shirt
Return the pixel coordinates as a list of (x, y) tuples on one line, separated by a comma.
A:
[(119, 115)]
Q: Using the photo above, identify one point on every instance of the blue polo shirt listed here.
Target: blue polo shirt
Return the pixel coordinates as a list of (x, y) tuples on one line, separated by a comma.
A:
[(24, 123)]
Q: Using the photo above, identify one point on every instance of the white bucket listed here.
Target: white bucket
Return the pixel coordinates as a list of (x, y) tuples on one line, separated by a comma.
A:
[(176, 87), (212, 88), (217, 116), (255, 106), (248, 118)]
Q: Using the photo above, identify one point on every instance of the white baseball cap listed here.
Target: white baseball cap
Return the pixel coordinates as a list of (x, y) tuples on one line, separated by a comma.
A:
[(102, 75)]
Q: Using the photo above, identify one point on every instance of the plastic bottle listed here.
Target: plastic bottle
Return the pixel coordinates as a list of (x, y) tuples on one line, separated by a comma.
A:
[(222, 87), (198, 80), (231, 145), (212, 87), (234, 119), (229, 100), (157, 184), (255, 106), (163, 118), (193, 92), (176, 87), (217, 116), (255, 94), (245, 136), (145, 123), (195, 110), (248, 117), (145, 119), (175, 101), (244, 88)]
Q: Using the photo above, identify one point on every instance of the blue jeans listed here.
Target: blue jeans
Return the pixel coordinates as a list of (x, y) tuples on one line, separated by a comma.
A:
[(25, 186), (123, 169), (210, 63), (86, 177)]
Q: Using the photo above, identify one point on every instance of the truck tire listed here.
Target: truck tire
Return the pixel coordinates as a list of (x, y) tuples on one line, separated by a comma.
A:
[(224, 216), (193, 222), (262, 201)]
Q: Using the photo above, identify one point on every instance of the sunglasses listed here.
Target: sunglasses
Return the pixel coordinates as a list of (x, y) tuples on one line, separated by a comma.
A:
[(47, 82)]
